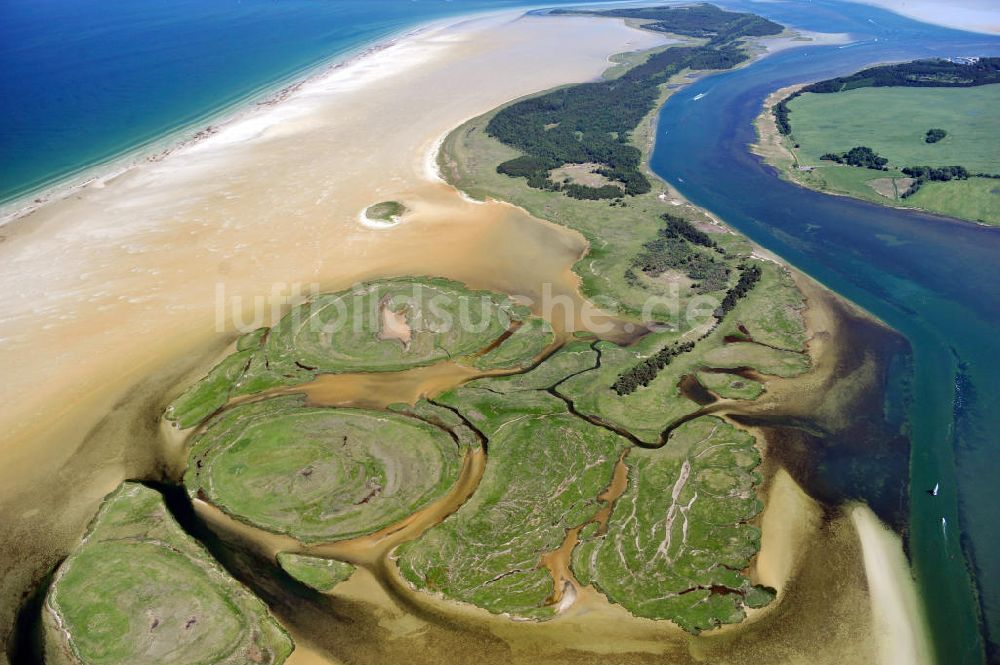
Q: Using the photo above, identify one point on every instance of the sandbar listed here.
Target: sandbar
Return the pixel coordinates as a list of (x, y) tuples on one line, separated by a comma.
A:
[(126, 288)]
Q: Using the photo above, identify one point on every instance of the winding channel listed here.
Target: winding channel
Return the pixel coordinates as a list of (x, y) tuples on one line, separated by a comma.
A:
[(934, 280)]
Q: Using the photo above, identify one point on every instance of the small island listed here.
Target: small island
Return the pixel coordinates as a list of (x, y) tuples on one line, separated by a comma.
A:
[(385, 212), (866, 135)]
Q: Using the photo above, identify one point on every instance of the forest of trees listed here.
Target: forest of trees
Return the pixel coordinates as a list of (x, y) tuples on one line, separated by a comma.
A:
[(672, 250), (861, 156), (704, 20), (781, 112), (593, 122), (936, 73), (647, 370), (749, 276)]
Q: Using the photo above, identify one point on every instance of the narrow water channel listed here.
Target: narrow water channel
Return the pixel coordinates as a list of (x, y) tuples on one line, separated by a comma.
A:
[(935, 280)]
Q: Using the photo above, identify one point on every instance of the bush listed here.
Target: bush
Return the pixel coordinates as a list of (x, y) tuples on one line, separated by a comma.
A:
[(935, 135), (860, 156)]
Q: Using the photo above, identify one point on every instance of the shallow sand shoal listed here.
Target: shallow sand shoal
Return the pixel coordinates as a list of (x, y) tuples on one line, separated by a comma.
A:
[(973, 15), (121, 292), (900, 628), (102, 287), (789, 522)]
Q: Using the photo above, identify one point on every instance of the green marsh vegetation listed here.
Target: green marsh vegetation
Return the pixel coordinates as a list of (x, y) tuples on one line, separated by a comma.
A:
[(385, 211), (886, 111), (319, 474), (730, 386), (554, 431), (139, 590), (549, 464), (545, 470), (678, 538), (383, 326), (322, 575), (489, 552)]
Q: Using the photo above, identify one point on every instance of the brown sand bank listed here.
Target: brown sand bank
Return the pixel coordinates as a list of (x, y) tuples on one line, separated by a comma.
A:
[(111, 294)]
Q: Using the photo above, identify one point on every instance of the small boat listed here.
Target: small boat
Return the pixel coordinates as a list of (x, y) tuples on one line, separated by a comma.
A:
[(699, 95), (944, 527), (934, 492)]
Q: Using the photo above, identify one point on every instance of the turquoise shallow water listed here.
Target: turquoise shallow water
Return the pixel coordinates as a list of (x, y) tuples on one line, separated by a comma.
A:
[(84, 82), (935, 280)]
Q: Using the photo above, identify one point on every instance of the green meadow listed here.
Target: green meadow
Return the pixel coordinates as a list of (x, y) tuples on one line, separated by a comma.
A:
[(893, 122)]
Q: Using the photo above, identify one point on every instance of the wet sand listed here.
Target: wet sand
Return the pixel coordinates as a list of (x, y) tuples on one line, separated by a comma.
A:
[(900, 627), (111, 295), (972, 15), (111, 306), (790, 521)]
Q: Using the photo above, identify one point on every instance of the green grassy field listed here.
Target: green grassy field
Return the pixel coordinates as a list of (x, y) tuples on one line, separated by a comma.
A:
[(893, 121), (139, 590), (977, 199), (320, 474)]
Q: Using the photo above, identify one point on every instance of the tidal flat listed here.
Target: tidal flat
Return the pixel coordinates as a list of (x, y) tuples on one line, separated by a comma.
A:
[(375, 615)]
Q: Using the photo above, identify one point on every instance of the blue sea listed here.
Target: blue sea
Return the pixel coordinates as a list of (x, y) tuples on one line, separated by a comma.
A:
[(84, 82)]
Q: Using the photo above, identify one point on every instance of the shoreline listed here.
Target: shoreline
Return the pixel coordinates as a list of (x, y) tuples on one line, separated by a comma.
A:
[(210, 123), (770, 147), (122, 282)]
